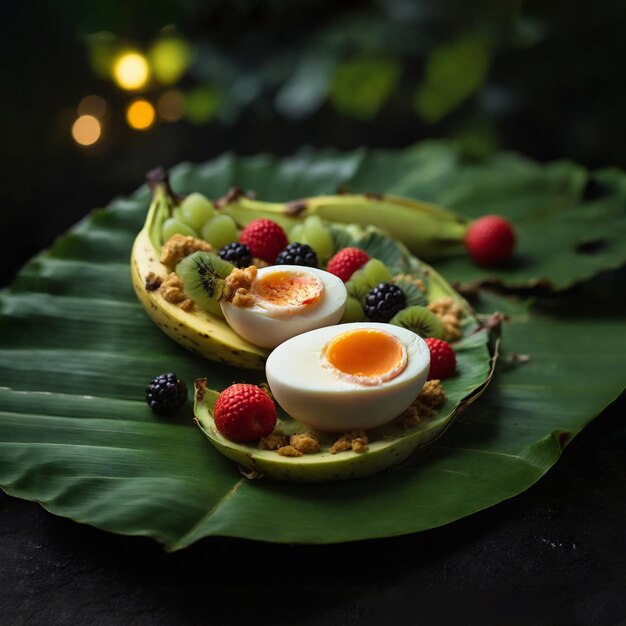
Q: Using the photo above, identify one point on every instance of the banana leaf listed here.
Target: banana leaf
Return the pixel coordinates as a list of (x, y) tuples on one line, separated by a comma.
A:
[(570, 222), (76, 352)]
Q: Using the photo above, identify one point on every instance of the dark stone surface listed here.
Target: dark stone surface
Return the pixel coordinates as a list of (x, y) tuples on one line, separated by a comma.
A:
[(555, 555)]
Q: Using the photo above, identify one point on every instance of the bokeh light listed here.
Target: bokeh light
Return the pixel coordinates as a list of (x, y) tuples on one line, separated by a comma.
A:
[(201, 104), (170, 58), (171, 105), (92, 105), (131, 71), (140, 115), (86, 130)]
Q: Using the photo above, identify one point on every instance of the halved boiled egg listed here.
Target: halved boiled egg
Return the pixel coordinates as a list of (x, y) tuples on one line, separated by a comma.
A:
[(350, 376), (287, 300)]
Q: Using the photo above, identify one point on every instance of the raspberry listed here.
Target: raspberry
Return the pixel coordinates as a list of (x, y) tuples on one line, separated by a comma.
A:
[(490, 240), (297, 254), (264, 238), (166, 394), (442, 359), (346, 262), (236, 253), (383, 302), (244, 413)]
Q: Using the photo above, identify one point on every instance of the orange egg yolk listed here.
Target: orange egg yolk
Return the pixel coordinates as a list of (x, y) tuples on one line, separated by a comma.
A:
[(289, 290), (368, 356)]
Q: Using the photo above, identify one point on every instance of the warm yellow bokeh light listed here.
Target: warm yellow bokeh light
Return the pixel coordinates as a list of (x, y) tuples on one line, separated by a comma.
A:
[(140, 115), (86, 130), (171, 105), (131, 71), (92, 105)]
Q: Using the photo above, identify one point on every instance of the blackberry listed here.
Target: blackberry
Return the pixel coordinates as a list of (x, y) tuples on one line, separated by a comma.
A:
[(383, 302), (166, 394), (297, 254), (236, 253)]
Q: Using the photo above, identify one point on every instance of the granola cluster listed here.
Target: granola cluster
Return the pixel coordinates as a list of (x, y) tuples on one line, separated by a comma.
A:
[(173, 290), (450, 313), (425, 405), (180, 246), (297, 444), (239, 283), (418, 282), (355, 440)]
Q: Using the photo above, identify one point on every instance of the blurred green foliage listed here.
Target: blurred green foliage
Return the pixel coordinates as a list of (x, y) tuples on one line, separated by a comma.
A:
[(491, 73), (454, 71)]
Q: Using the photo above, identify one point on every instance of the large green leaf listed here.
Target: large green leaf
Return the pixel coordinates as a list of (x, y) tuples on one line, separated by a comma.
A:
[(571, 224), (76, 352)]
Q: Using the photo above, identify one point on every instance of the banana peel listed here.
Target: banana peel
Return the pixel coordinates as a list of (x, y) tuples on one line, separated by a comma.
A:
[(200, 332), (428, 230)]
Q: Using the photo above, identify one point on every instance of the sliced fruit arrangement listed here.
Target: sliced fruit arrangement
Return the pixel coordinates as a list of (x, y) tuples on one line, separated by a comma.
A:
[(322, 435), (203, 277)]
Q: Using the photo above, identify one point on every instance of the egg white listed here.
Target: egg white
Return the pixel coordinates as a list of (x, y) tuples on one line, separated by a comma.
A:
[(268, 326), (317, 396)]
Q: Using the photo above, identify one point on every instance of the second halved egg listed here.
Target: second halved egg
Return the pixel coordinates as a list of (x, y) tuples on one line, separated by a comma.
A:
[(287, 300), (347, 377)]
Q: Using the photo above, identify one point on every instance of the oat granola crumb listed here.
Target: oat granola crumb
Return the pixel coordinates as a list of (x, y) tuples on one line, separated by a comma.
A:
[(307, 443), (172, 289), (432, 393), (289, 451), (179, 246), (243, 298), (153, 281), (425, 405), (259, 263), (341, 445), (187, 305), (418, 282), (410, 417), (450, 313), (355, 440), (272, 442), (239, 283)]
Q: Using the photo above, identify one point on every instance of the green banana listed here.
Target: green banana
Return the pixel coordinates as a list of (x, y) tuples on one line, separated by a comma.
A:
[(395, 447), (428, 230), (198, 331)]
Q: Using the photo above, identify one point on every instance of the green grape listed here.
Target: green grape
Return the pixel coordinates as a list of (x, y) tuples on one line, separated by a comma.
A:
[(219, 231), (196, 210), (318, 237), (376, 272), (172, 226), (296, 234)]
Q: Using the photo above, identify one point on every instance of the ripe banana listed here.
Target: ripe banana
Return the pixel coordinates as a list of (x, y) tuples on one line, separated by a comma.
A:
[(198, 331), (428, 230)]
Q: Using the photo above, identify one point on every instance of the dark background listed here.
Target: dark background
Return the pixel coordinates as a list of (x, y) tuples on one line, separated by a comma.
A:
[(546, 79)]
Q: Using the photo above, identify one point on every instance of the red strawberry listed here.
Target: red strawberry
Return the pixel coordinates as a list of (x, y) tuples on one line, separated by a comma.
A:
[(346, 262), (490, 240), (264, 238), (244, 413), (442, 359)]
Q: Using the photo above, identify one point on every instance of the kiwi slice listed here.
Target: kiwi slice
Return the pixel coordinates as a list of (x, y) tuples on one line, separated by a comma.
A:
[(420, 320), (362, 281), (354, 311), (203, 275)]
